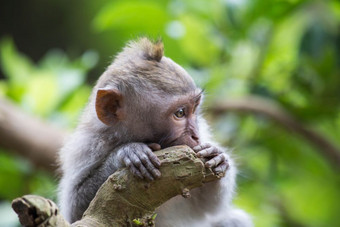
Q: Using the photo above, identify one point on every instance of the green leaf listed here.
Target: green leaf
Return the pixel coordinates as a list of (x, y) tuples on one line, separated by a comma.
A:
[(153, 217), (16, 66), (147, 17), (283, 52), (198, 44), (137, 222)]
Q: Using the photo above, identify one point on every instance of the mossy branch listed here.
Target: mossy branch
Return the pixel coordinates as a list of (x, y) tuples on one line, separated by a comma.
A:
[(124, 200)]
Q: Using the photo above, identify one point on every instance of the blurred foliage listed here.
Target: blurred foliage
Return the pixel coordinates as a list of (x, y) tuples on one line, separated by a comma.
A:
[(284, 50), (54, 88)]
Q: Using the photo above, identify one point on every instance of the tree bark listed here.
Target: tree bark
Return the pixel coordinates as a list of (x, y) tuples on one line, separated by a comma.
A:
[(124, 200)]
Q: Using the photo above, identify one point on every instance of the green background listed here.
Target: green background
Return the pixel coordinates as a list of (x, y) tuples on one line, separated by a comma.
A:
[(52, 52)]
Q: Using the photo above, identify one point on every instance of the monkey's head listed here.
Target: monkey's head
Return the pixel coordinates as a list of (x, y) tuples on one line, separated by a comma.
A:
[(146, 97)]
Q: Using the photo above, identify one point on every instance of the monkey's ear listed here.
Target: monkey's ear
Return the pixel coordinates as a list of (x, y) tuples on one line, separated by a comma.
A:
[(108, 105)]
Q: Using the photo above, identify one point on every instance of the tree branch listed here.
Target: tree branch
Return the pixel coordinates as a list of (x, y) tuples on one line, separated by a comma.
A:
[(124, 200), (28, 136), (277, 113)]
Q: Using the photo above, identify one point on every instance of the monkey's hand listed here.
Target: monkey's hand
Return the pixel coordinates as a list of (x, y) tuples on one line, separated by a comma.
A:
[(214, 157), (140, 159)]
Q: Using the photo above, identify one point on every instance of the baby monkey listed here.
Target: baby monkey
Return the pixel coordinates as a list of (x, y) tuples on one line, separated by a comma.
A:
[(144, 102)]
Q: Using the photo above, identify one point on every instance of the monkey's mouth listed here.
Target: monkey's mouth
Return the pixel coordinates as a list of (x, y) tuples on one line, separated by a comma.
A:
[(183, 140), (166, 144)]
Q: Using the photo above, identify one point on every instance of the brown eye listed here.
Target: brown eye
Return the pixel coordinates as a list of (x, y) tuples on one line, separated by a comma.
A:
[(179, 113)]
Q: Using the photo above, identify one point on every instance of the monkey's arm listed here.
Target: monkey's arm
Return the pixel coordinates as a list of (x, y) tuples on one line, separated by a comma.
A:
[(78, 190), (219, 194), (207, 204), (79, 186)]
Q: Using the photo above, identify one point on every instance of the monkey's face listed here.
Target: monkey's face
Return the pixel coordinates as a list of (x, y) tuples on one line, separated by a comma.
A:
[(168, 122), (180, 122)]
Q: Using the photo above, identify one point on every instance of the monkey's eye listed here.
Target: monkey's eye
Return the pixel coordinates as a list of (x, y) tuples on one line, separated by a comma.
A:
[(180, 113)]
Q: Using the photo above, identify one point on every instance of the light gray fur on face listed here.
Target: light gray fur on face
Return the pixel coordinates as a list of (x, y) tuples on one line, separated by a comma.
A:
[(149, 82)]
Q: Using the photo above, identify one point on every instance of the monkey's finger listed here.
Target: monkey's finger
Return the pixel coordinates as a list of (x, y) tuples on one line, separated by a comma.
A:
[(201, 147), (222, 168), (154, 159), (154, 146), (208, 152), (145, 173), (137, 162), (215, 161), (132, 168), (155, 172), (149, 166)]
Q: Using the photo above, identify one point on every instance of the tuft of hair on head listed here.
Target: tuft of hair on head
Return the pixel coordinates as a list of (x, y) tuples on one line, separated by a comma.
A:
[(151, 50)]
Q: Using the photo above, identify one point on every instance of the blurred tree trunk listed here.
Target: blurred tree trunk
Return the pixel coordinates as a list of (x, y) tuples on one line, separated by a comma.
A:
[(29, 137)]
